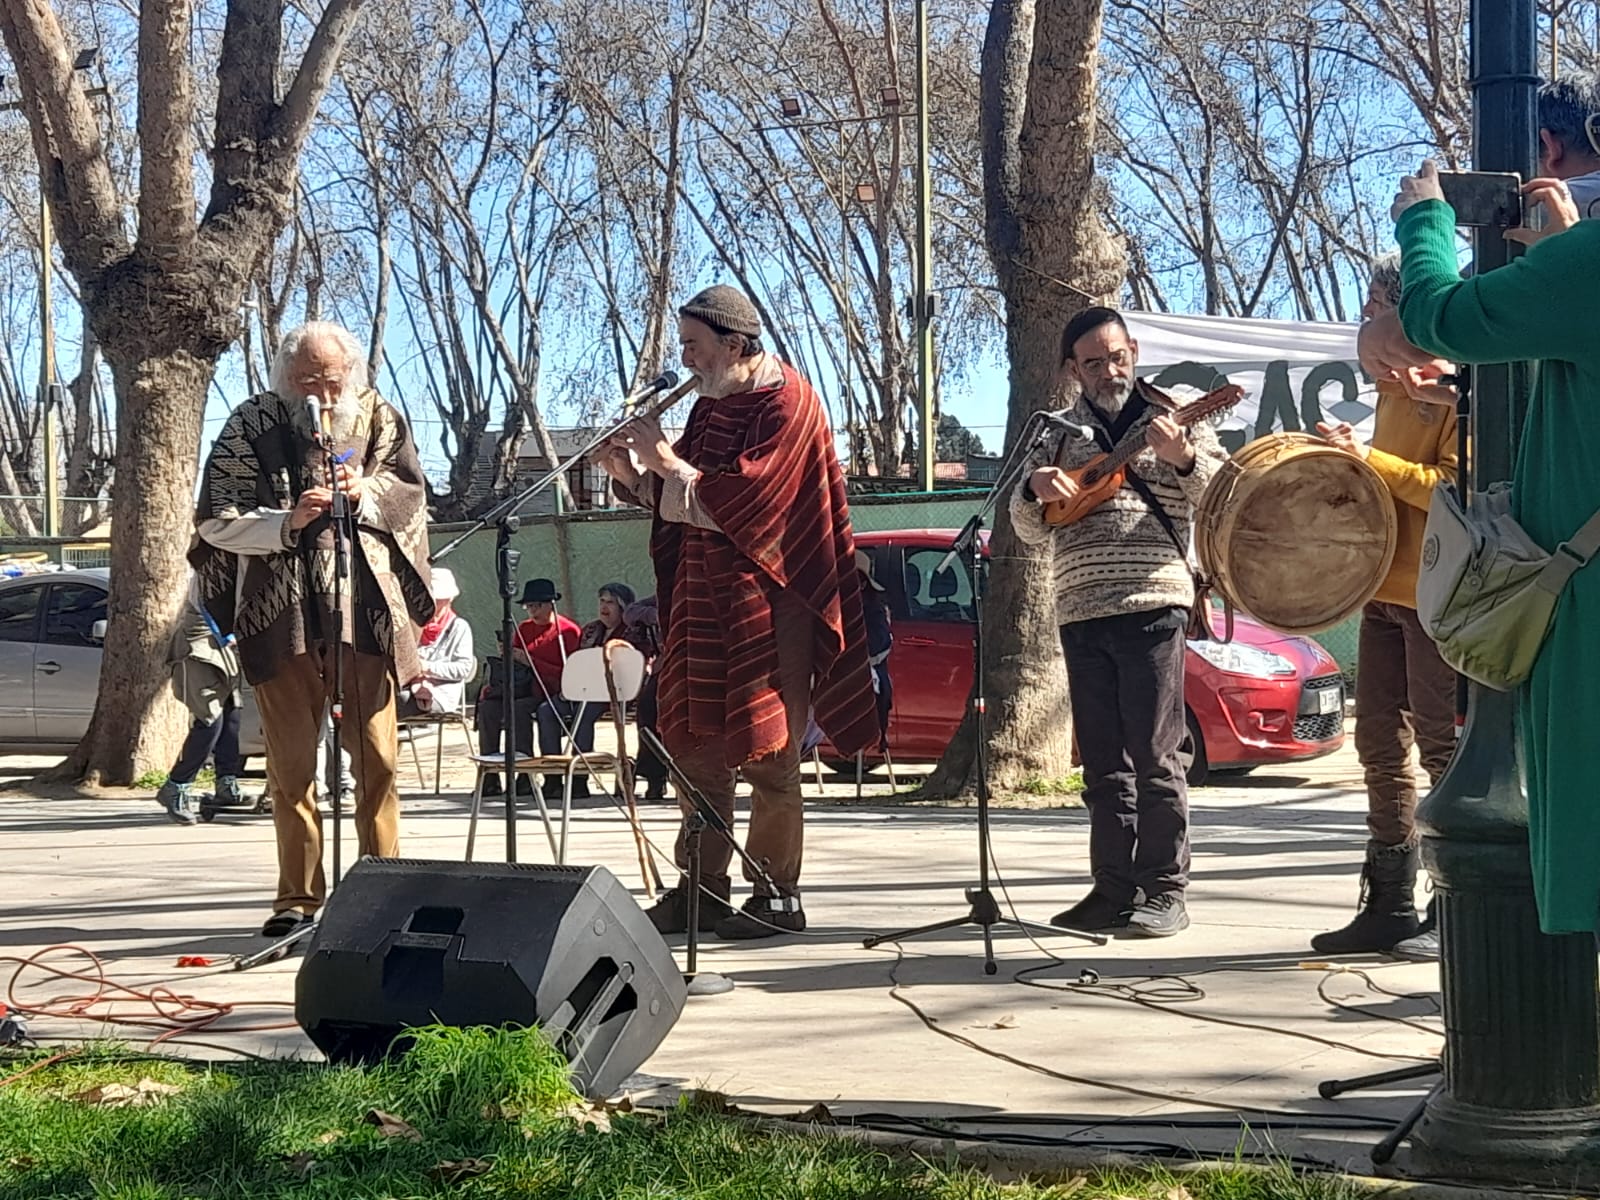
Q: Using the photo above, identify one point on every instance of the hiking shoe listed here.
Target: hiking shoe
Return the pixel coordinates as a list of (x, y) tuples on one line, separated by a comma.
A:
[(1422, 948), (228, 792), (763, 917), (670, 914), (1095, 913), (174, 797), (1161, 915)]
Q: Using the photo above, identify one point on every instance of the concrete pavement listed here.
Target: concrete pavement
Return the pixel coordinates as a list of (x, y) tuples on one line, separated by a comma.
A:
[(1221, 1025)]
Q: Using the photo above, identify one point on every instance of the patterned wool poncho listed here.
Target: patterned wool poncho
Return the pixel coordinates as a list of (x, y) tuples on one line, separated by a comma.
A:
[(771, 479), (280, 603)]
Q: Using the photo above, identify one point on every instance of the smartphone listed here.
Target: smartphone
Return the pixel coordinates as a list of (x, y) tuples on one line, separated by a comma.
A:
[(1484, 199)]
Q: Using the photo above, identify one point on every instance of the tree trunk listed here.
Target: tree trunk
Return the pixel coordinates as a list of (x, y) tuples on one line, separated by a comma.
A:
[(1053, 257), (159, 402)]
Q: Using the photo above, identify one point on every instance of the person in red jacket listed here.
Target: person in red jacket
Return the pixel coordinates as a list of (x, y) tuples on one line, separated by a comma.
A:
[(543, 643)]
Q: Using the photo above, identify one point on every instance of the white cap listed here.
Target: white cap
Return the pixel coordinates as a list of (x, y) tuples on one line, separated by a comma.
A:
[(444, 584)]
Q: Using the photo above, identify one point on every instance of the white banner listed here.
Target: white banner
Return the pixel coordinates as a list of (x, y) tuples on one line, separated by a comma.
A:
[(1294, 373)]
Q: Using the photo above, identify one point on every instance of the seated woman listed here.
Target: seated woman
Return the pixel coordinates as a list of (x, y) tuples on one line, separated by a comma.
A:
[(641, 629), (557, 716), (445, 649)]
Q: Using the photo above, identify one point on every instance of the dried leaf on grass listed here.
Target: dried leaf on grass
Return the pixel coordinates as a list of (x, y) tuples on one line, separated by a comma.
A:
[(390, 1125), (333, 1135), (1009, 1021), (302, 1164), (581, 1114), (122, 1095), (456, 1170), (817, 1114), (1179, 1193)]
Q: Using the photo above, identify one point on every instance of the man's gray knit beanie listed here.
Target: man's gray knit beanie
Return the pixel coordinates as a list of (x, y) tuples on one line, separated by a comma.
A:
[(726, 308)]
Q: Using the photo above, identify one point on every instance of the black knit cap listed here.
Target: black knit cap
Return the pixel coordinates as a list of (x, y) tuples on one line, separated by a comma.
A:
[(1087, 321), (724, 308)]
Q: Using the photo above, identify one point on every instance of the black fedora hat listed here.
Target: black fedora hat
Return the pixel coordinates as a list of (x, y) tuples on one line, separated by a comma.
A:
[(539, 591)]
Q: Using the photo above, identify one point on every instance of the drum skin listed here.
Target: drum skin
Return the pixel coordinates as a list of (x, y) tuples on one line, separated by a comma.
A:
[(1295, 533)]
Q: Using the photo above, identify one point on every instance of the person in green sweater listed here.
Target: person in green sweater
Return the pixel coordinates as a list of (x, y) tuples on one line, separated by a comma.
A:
[(1405, 694), (1538, 307)]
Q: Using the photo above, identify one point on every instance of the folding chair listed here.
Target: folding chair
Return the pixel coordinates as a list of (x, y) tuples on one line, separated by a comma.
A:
[(608, 674), (438, 721)]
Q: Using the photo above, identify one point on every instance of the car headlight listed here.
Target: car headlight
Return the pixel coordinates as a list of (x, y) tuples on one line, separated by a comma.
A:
[(1239, 659)]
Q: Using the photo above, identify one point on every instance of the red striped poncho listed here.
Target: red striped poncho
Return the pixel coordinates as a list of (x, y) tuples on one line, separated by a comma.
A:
[(771, 479)]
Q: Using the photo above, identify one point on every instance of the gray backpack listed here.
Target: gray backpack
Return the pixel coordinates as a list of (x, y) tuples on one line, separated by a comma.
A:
[(1486, 591)]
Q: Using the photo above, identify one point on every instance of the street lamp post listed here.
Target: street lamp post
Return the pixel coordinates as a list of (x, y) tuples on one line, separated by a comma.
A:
[(49, 389), (922, 302)]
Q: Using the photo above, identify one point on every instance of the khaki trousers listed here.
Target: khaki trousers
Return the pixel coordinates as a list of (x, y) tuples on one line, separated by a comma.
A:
[(776, 836), (292, 705)]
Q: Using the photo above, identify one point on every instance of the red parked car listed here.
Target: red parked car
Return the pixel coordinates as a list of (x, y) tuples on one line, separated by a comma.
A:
[(1264, 697)]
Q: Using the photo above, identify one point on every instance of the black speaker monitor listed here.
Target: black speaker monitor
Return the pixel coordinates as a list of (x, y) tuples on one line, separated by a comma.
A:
[(403, 943)]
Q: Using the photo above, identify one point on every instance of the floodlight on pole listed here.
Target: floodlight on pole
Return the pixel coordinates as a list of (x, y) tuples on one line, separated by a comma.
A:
[(866, 193), (791, 108), (86, 58), (889, 96)]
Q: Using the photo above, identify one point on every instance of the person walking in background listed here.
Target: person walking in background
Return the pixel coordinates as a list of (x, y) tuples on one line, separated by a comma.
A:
[(207, 680)]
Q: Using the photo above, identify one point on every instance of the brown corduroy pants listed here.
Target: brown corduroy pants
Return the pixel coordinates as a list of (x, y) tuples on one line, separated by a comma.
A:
[(293, 703), (776, 836)]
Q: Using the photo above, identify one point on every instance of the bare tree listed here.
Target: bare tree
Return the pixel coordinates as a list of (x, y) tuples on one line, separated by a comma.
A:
[(164, 301), (1053, 257)]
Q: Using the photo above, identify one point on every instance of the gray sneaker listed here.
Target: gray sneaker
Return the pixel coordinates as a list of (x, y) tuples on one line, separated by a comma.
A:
[(1161, 915), (174, 797)]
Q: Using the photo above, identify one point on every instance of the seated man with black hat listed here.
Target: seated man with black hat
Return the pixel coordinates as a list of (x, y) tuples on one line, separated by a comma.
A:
[(543, 642)]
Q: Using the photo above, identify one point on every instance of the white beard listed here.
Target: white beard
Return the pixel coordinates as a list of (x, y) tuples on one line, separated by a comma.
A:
[(343, 416)]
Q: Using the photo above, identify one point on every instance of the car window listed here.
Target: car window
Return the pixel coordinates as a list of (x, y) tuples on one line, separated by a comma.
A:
[(72, 612), (887, 572), (19, 608), (934, 595)]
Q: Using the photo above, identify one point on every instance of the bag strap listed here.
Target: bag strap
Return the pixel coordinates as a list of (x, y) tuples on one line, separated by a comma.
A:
[(1200, 614), (1570, 556)]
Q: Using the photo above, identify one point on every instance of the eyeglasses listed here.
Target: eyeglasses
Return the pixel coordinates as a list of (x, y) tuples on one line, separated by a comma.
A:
[(1097, 366)]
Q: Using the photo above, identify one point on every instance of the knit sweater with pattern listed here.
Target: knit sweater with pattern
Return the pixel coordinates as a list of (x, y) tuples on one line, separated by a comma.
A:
[(1118, 559)]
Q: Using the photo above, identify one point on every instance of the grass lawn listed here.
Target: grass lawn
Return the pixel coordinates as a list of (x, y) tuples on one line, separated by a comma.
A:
[(471, 1113)]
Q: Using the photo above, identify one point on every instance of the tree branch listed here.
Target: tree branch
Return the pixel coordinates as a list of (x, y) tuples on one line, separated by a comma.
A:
[(166, 140)]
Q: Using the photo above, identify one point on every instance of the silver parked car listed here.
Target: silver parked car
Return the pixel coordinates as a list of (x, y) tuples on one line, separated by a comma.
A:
[(51, 629)]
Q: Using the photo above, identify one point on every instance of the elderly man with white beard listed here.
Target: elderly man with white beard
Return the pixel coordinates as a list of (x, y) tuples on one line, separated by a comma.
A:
[(265, 562)]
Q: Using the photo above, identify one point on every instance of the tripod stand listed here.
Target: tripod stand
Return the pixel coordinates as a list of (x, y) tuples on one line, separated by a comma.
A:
[(504, 517), (1384, 1151), (984, 910), (701, 983)]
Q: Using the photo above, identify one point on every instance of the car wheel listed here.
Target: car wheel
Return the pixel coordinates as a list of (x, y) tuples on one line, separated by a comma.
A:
[(1196, 766)]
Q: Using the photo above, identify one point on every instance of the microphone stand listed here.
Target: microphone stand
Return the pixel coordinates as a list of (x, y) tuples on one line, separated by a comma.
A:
[(983, 909), (701, 816), (504, 517)]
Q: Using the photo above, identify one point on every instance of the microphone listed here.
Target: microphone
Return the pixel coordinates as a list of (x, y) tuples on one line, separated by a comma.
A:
[(662, 382), (314, 412), (1072, 429)]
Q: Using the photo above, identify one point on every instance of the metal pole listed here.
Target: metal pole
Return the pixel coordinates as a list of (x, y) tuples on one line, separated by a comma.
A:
[(47, 369), (844, 288), (1521, 1095), (922, 298)]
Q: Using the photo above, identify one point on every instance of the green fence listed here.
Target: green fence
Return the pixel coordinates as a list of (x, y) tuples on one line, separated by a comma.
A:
[(582, 551)]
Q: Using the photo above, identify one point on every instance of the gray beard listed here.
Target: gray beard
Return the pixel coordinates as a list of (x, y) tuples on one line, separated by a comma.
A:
[(344, 415), (1111, 396)]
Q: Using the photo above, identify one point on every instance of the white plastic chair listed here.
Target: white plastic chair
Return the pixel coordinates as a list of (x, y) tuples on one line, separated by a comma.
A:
[(598, 675)]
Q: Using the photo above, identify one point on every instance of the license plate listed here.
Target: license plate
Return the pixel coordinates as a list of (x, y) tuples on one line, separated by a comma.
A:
[(1330, 700)]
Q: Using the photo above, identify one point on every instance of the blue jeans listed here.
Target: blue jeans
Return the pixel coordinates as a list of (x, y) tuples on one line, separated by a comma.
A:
[(554, 713), (205, 738)]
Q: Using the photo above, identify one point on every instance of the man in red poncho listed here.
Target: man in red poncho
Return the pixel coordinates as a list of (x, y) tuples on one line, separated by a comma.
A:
[(759, 598)]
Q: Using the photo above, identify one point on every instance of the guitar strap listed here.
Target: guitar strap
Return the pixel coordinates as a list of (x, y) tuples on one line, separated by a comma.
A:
[(1200, 613)]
